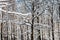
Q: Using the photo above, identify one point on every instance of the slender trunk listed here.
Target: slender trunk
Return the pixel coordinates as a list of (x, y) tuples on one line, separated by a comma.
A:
[(14, 36), (7, 30), (7, 20), (14, 33), (58, 32), (32, 30), (32, 38), (21, 33), (42, 34), (2, 26), (11, 31), (38, 30), (27, 34), (52, 23), (48, 30), (58, 22), (52, 30), (1, 30), (49, 34)]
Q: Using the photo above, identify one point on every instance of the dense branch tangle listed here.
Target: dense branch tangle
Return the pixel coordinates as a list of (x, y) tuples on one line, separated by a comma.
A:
[(20, 25)]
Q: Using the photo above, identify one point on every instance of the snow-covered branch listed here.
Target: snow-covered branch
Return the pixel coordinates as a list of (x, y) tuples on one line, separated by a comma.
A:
[(13, 12)]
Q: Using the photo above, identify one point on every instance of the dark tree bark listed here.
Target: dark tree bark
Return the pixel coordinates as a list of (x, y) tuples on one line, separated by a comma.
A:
[(49, 29), (52, 23), (32, 38), (59, 10), (2, 26), (38, 30), (42, 34), (7, 29), (22, 38), (58, 21), (49, 34), (1, 30), (52, 28), (27, 34)]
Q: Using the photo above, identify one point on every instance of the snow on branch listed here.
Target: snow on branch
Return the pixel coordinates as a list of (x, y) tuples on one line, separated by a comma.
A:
[(15, 12)]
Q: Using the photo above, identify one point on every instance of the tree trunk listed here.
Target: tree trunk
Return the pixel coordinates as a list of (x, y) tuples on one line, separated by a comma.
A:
[(52, 23), (32, 21), (1, 30), (27, 34), (21, 33), (39, 38)]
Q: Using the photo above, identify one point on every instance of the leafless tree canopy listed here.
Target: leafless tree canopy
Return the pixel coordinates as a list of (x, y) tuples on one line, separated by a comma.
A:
[(29, 19)]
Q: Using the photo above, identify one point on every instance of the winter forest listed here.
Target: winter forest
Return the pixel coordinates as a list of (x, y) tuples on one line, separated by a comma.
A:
[(29, 19)]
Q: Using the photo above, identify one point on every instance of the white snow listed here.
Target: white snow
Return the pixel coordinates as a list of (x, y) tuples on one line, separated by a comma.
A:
[(15, 12)]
